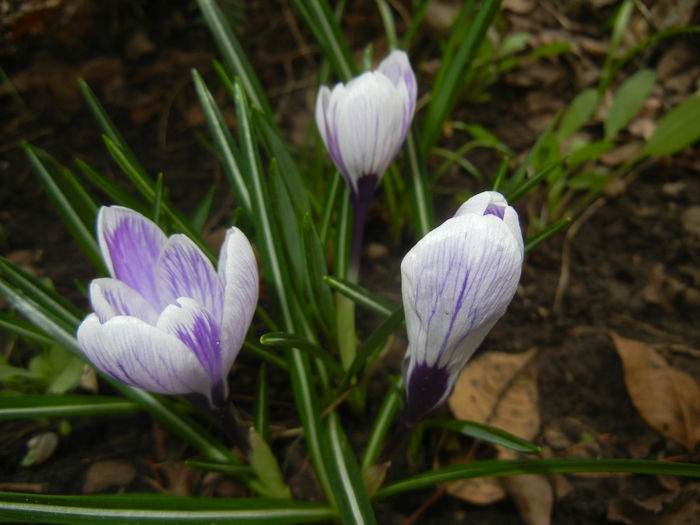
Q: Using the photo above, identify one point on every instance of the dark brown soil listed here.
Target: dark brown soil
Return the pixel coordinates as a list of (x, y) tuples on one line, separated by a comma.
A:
[(632, 266)]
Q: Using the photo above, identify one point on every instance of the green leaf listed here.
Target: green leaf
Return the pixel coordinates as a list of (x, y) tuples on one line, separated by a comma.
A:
[(467, 35), (360, 296), (156, 508), (324, 26), (111, 190), (318, 292), (351, 495), (628, 101), (513, 43), (201, 212), (546, 233), (235, 60), (676, 129), (588, 153), (20, 407), (294, 341), (266, 467), (578, 112), (382, 421), (22, 329), (70, 200), (223, 141), (485, 433), (494, 468)]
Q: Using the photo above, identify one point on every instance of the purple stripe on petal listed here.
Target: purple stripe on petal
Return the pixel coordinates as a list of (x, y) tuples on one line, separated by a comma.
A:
[(427, 387), (110, 297), (198, 330), (143, 356), (130, 245), (183, 271), (495, 209)]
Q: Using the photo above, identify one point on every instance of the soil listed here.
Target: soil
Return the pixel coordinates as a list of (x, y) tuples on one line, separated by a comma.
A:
[(629, 264)]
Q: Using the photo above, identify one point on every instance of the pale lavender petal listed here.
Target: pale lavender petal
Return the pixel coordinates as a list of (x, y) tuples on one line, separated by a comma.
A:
[(238, 271), (398, 69), (130, 245), (479, 203), (183, 270), (143, 356), (456, 282), (195, 327), (110, 297)]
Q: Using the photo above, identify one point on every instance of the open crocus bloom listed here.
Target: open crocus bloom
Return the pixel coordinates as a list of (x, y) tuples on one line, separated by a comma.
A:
[(363, 123), (167, 321), (456, 283)]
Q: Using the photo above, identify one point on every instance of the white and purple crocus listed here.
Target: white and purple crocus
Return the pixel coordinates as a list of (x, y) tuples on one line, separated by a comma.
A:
[(363, 124), (456, 283), (166, 321)]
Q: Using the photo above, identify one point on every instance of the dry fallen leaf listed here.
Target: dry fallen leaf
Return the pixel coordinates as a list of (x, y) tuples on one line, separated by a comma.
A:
[(679, 508), (500, 389), (102, 475), (666, 398)]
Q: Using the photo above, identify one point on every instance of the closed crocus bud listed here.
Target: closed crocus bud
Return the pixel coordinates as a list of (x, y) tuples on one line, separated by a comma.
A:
[(456, 283), (167, 321), (363, 123)]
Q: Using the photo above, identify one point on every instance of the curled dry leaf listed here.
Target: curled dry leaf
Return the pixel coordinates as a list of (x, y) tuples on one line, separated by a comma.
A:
[(666, 398), (500, 389), (102, 475)]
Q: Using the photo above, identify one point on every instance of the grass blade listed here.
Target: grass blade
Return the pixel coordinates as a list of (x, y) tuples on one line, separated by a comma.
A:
[(19, 407)]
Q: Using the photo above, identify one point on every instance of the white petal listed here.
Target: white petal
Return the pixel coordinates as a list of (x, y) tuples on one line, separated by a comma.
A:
[(456, 282), (238, 271), (199, 331), (324, 95), (368, 116), (110, 297), (480, 202), (130, 245), (398, 69), (183, 270), (143, 356)]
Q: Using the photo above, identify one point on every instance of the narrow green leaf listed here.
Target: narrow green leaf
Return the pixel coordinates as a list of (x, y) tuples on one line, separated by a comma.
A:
[(388, 22), (588, 153), (64, 205), (223, 141), (266, 467), (578, 113), (235, 471), (265, 355), (111, 190), (306, 398), (235, 60), (351, 496), (676, 129), (19, 407), (421, 200), (500, 175), (329, 207), (317, 290), (494, 468), (261, 409), (485, 433), (530, 183), (201, 212), (372, 346), (23, 329), (546, 233), (156, 508), (287, 224), (382, 422), (287, 340), (320, 19), (622, 18), (628, 100), (277, 149), (466, 37), (360, 296)]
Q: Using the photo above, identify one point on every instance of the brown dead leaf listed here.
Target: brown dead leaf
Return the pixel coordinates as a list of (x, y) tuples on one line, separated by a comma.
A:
[(666, 398), (533, 496), (499, 389), (102, 475), (679, 508)]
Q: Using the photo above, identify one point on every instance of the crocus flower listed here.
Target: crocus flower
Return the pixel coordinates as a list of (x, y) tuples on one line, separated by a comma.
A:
[(166, 321), (456, 283), (363, 123)]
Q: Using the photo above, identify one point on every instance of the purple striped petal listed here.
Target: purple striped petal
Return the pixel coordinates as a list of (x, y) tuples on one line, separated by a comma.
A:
[(143, 356), (130, 245), (197, 329), (238, 271), (110, 297), (456, 282), (182, 270)]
